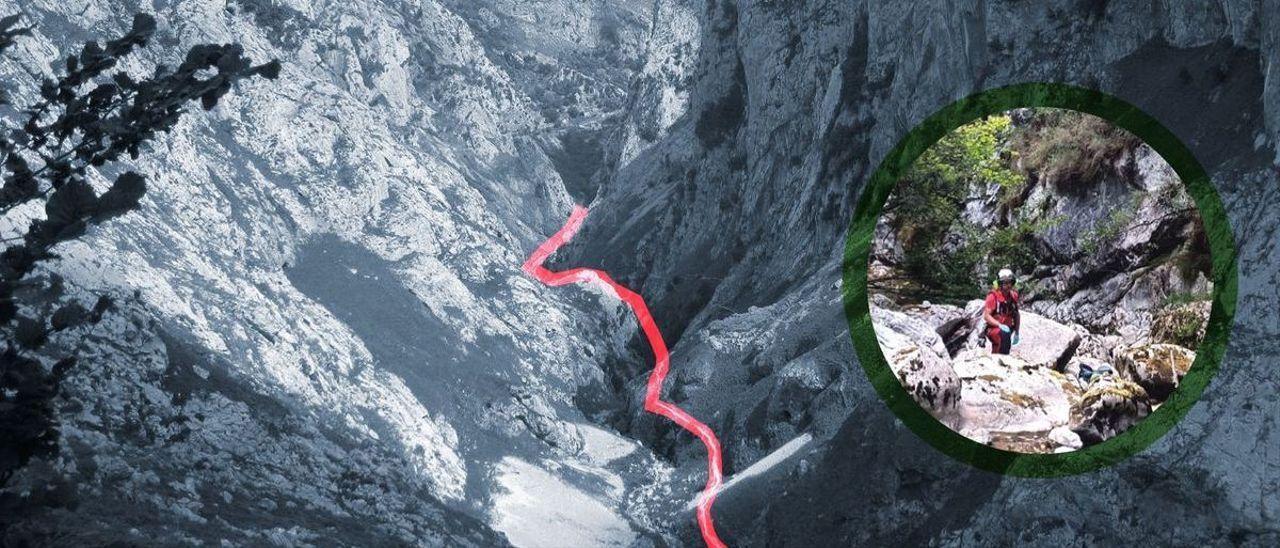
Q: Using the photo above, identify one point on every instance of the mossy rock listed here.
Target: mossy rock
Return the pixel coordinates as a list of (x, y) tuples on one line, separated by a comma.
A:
[(1109, 406), (1158, 367)]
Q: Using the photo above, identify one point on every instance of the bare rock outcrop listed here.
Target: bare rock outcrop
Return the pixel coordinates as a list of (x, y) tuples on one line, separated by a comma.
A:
[(1044, 341), (918, 357), (1012, 404), (1109, 406), (1158, 367)]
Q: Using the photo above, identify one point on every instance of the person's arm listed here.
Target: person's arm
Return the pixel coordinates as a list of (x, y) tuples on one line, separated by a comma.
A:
[(987, 307), (991, 320)]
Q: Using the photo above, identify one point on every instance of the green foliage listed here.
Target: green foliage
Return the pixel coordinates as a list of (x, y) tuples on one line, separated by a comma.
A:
[(933, 190), (952, 258), (1180, 318), (1065, 145), (970, 154), (968, 269), (87, 118), (929, 202), (1011, 246), (1181, 322), (1184, 297)]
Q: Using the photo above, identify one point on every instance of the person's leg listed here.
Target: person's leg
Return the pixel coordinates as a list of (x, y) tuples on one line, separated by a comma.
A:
[(994, 336), (1005, 343)]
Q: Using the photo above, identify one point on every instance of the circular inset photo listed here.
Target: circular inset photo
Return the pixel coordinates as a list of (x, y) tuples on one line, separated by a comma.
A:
[(1039, 280)]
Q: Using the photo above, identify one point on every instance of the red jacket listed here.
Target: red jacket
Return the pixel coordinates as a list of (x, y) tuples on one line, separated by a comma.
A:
[(1003, 309)]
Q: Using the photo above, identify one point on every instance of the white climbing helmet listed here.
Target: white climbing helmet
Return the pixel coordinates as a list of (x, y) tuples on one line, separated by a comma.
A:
[(1005, 274)]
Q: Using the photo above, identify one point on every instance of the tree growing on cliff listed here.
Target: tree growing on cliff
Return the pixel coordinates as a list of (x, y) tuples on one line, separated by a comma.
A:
[(928, 206), (86, 120)]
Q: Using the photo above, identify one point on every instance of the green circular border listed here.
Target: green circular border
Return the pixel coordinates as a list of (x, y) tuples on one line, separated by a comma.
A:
[(858, 248)]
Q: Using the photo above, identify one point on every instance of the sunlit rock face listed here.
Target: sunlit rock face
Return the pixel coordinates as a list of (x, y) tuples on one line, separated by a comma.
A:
[(1040, 398), (1157, 367), (325, 336), (918, 358)]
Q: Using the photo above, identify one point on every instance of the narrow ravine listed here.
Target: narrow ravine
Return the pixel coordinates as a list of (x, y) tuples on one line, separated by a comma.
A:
[(652, 400)]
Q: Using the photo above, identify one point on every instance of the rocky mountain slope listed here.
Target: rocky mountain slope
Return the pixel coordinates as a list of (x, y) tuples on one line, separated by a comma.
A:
[(327, 338), (790, 108)]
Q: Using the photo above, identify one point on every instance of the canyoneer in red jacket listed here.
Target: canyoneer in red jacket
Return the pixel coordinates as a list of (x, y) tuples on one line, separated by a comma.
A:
[(1001, 314)]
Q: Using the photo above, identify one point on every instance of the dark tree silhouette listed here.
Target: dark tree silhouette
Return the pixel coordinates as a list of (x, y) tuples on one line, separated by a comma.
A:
[(88, 118)]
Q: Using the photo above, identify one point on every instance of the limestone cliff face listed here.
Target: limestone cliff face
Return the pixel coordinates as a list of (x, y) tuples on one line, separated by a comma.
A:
[(790, 107), (325, 335), (331, 341)]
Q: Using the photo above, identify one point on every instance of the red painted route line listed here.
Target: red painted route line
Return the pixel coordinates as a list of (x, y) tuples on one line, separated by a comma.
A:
[(652, 404)]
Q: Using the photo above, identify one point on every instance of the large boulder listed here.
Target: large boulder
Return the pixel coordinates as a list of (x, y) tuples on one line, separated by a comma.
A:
[(952, 323), (1158, 367), (934, 314), (1014, 405), (1045, 342), (1110, 405), (896, 329), (1040, 340), (1093, 345), (918, 357), (1066, 439), (973, 311)]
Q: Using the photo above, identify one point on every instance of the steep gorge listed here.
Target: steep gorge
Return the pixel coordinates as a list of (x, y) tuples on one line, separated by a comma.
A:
[(417, 151)]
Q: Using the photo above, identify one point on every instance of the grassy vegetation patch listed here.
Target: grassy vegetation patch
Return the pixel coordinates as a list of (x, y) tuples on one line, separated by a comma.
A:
[(1065, 146)]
